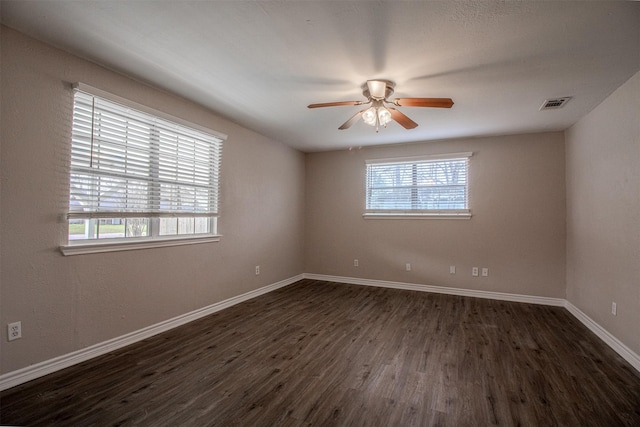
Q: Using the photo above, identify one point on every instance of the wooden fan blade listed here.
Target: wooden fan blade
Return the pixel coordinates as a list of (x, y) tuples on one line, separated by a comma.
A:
[(352, 120), (335, 104), (403, 120), (424, 102)]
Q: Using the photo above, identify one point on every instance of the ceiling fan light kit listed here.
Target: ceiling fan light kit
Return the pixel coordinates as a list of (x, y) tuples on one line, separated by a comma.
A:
[(379, 114)]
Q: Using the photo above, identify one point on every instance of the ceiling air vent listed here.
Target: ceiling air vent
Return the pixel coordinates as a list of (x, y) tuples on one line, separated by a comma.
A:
[(555, 103)]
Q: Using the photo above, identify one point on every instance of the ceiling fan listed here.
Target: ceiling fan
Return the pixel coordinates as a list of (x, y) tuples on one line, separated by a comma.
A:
[(377, 93)]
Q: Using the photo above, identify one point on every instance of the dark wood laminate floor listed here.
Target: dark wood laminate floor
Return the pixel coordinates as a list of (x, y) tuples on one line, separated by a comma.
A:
[(325, 354)]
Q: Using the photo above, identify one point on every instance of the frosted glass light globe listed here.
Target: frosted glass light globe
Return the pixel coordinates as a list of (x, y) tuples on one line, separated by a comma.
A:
[(369, 116), (384, 116)]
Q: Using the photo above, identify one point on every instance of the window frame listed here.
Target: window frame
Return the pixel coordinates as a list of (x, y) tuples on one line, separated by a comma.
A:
[(381, 213), (154, 237)]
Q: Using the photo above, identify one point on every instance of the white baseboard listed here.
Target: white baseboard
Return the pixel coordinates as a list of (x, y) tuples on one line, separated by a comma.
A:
[(558, 302), (625, 352), (38, 370)]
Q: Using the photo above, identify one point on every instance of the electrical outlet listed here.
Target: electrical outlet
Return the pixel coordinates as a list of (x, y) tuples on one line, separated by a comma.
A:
[(355, 262), (452, 269), (614, 309), (14, 331), (257, 270), (485, 272), (474, 271), (407, 267)]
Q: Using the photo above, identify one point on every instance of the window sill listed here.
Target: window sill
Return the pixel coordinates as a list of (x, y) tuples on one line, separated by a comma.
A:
[(104, 246), (417, 215)]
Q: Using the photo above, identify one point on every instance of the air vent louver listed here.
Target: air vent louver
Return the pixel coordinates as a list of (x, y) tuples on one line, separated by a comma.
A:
[(555, 103)]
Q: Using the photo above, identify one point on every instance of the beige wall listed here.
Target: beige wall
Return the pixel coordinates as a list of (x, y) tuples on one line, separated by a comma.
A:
[(292, 213), (67, 303), (517, 196), (603, 213)]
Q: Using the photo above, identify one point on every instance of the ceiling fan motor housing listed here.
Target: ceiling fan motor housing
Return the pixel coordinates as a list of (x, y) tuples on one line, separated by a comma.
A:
[(378, 89)]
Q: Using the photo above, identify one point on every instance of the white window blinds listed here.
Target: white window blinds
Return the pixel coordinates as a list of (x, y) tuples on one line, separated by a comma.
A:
[(426, 184), (128, 163)]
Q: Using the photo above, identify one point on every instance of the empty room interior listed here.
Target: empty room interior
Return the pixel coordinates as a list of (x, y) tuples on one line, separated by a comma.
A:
[(376, 213)]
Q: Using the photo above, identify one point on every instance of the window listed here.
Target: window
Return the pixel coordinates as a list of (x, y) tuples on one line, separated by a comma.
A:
[(138, 174), (431, 186)]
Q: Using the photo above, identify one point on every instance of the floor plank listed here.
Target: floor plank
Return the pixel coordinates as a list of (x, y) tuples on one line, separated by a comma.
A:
[(319, 353)]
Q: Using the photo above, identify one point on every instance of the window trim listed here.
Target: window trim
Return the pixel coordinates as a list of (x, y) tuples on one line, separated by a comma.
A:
[(116, 245), (87, 246), (418, 215), (414, 213)]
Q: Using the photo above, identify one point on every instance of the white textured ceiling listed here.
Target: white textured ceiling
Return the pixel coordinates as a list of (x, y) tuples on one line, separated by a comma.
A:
[(261, 63)]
